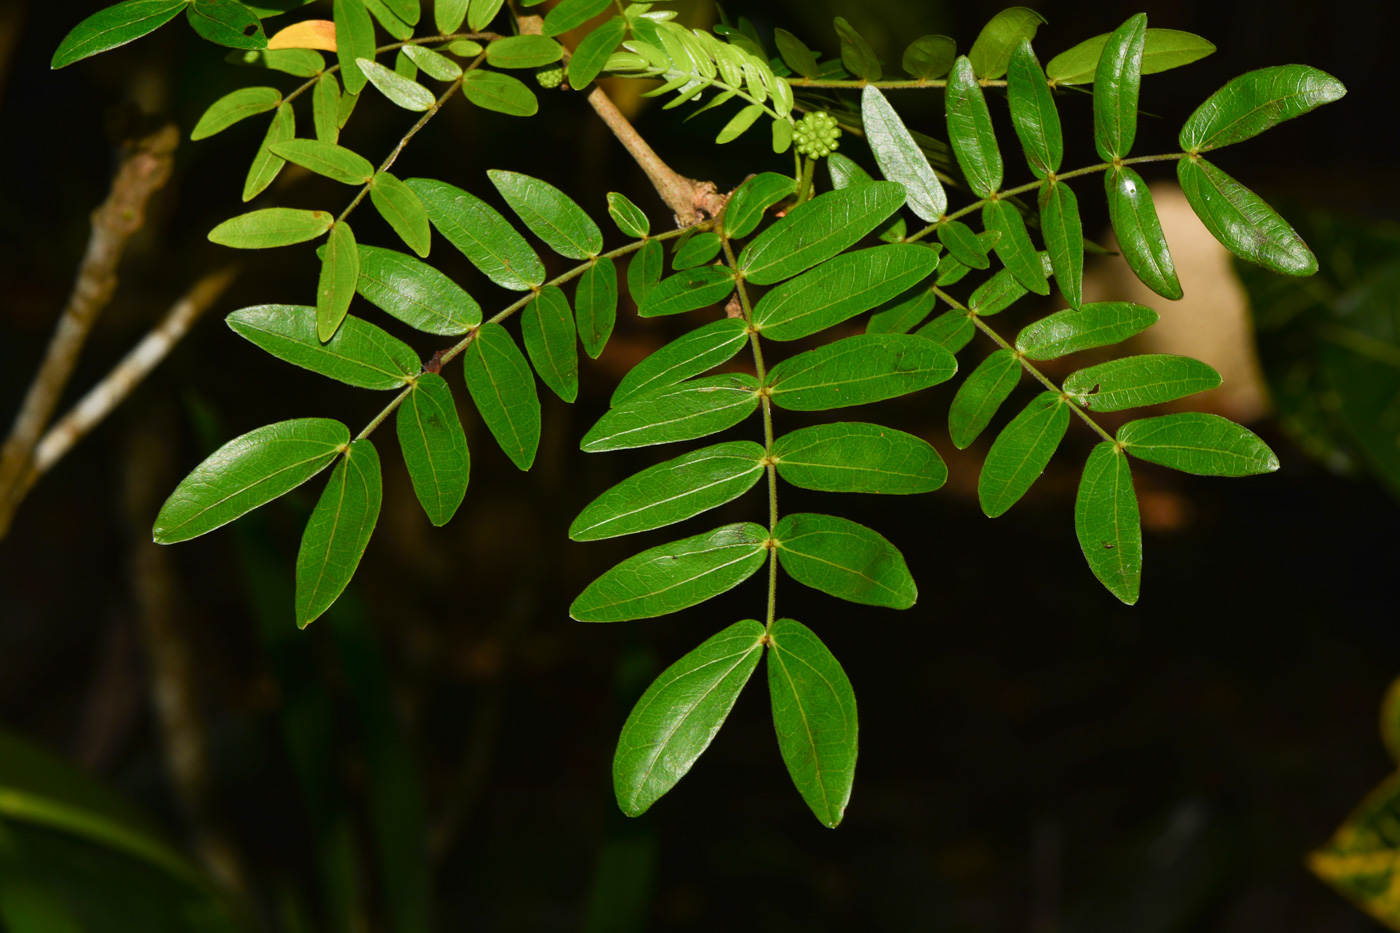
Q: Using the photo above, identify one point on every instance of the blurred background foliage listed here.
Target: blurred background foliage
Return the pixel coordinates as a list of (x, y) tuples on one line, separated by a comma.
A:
[(436, 750)]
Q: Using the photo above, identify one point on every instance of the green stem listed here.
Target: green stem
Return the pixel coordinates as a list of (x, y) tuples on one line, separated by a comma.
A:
[(804, 184), (894, 84), (1026, 364)]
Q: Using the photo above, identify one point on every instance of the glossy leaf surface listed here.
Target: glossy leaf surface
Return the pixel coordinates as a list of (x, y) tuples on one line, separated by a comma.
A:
[(1139, 232), (683, 412), (265, 165), (338, 531), (980, 395), (595, 302), (325, 108), (270, 227), (929, 56), (903, 313), (415, 292), (1013, 246), (434, 447), (991, 52), (1100, 324), (817, 230), (401, 91), (1064, 239), (671, 492), (696, 251), (841, 288), (814, 713), (1021, 452), (1107, 524), (340, 274), (400, 207), (795, 54), (503, 389), (951, 330), (644, 271), (484, 236), (900, 158), (227, 23), (549, 330), (856, 54), (326, 159), (1242, 221), (448, 15), (1195, 442), (746, 206), (965, 246), (247, 472), (231, 108), (844, 559), (550, 214), (354, 39), (1163, 49), (970, 130), (628, 216), (491, 90), (1116, 84), (688, 290), (680, 714), (996, 294), (114, 26), (1135, 381), (434, 64), (591, 54), (674, 576), (359, 354), (1033, 112), (571, 14), (854, 457), (696, 352), (859, 370), (1256, 101)]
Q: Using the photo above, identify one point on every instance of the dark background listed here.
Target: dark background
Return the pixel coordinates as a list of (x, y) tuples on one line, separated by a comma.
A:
[(1035, 755)]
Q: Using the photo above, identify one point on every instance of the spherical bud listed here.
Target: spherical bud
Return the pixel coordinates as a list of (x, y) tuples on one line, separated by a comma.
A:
[(816, 135), (550, 77)]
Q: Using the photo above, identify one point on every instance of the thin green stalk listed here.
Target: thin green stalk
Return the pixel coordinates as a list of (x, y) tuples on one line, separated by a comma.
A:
[(893, 84), (804, 184)]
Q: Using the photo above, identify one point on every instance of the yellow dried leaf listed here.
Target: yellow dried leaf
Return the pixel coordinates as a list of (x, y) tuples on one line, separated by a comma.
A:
[(307, 34)]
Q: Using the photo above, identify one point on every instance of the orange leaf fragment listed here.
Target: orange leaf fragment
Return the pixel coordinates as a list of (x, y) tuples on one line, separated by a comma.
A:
[(307, 34)]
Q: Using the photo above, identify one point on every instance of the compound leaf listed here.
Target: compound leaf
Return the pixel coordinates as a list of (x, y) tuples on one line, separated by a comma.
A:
[(818, 229), (1013, 246), (328, 159), (270, 227), (304, 63), (739, 123), (1139, 232), (991, 52), (491, 90), (359, 354), (340, 274), (674, 576), (844, 559), (854, 457), (1064, 239), (1195, 442), (900, 158), (671, 492), (980, 395), (996, 294), (484, 236), (338, 531), (1100, 324), (434, 447), (628, 216), (680, 714), (1136, 381), (1254, 102), (859, 370), (114, 26), (227, 23), (503, 389), (970, 130), (247, 472), (687, 290), (400, 207), (354, 40), (1020, 453), (682, 412), (1116, 84), (231, 108), (548, 327), (415, 292), (1033, 112), (700, 350), (841, 288), (1107, 524), (1163, 49), (595, 300), (550, 214), (1242, 221)]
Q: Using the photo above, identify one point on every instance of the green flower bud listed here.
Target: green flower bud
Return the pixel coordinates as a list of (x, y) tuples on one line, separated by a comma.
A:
[(550, 77), (816, 134)]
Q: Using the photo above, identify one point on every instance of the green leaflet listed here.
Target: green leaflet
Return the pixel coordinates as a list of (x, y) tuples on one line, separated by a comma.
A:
[(680, 714), (991, 52), (1020, 453), (340, 274), (550, 214), (481, 12), (434, 64), (523, 52), (592, 52), (856, 54), (266, 165), (491, 90), (996, 294), (965, 246), (415, 292), (671, 492), (231, 108), (1136, 381), (227, 23), (1163, 49), (628, 216), (745, 208), (951, 330), (855, 457), (1116, 83), (929, 56), (1064, 239), (1106, 522), (571, 14), (483, 236), (270, 227), (1254, 102), (325, 108), (970, 130), (503, 390), (644, 271), (1100, 324), (899, 157), (818, 229), (398, 205), (548, 327), (1013, 245), (841, 288), (980, 395), (304, 63), (795, 54), (1240, 219), (814, 714), (338, 531), (683, 412), (407, 10), (328, 159), (1033, 112), (247, 472), (448, 15), (595, 300), (859, 370), (1139, 231), (402, 92), (674, 576), (687, 290), (114, 26), (903, 313), (696, 251), (700, 350), (950, 271), (740, 122), (354, 34), (393, 24), (462, 48), (359, 354), (434, 447), (845, 560), (1193, 442)]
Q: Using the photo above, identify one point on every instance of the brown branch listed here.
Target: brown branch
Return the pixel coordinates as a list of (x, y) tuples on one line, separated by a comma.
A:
[(144, 169)]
